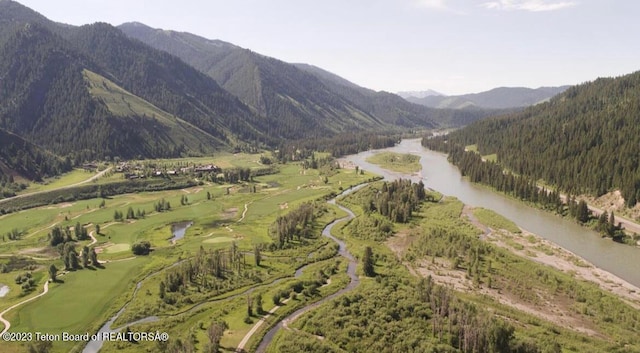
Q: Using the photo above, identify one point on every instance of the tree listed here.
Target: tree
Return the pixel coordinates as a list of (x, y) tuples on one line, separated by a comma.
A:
[(367, 262), (94, 257), (611, 227), (215, 332), (73, 260), (257, 255), (53, 272), (85, 256), (130, 213), (249, 306), (97, 229), (583, 212), (258, 300)]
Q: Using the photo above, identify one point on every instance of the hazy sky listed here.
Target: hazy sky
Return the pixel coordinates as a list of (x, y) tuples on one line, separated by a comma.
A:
[(452, 46)]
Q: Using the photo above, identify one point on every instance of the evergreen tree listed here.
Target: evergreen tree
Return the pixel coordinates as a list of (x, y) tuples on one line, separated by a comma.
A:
[(583, 212), (367, 262), (53, 271), (94, 257), (85, 256)]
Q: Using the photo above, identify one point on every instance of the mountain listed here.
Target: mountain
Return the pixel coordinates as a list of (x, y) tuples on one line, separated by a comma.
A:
[(294, 102), (21, 159), (419, 94), (293, 95), (396, 110), (585, 140), (497, 98), (92, 92)]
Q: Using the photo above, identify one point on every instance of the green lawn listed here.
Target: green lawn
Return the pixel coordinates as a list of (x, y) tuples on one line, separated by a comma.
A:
[(75, 305), (73, 177)]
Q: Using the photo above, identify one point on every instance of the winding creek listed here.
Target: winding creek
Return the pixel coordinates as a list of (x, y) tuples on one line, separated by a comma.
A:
[(438, 174), (351, 271), (94, 346)]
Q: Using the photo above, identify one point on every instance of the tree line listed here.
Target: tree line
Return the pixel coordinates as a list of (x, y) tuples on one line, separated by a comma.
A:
[(586, 140), (524, 188), (296, 224), (395, 200)]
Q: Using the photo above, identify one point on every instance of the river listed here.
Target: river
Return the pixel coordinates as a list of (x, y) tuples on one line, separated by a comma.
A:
[(438, 174)]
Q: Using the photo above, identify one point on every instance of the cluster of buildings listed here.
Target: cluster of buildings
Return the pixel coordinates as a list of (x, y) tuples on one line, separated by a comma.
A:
[(137, 171)]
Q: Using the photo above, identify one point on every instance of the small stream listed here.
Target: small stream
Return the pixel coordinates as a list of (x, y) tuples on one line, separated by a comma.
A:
[(351, 271), (94, 346)]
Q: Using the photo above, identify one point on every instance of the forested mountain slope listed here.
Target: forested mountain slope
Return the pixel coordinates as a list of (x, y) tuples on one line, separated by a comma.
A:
[(296, 94), (584, 140), (497, 98), (47, 97), (20, 158), (293, 101)]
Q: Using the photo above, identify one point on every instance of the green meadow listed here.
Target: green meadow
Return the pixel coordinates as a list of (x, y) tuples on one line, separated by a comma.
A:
[(222, 214), (404, 163)]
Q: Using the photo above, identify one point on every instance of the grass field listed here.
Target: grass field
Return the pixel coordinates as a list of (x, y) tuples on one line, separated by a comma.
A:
[(86, 298), (73, 177), (495, 220), (489, 157), (405, 163)]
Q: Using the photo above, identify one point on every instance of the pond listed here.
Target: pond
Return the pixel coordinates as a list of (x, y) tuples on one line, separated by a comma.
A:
[(179, 229)]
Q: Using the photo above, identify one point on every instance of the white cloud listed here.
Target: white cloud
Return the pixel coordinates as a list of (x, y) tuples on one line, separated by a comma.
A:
[(528, 5)]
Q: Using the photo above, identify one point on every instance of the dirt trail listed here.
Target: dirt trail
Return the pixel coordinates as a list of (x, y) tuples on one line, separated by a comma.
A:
[(98, 175), (5, 322)]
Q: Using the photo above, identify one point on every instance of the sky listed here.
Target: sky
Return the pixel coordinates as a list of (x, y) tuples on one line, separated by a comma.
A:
[(451, 46)]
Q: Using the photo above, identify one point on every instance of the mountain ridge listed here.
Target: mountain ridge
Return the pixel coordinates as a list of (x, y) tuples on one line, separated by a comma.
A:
[(496, 98)]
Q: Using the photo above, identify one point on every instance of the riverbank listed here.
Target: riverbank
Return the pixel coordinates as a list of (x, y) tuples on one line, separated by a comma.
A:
[(540, 250), (440, 175), (566, 300)]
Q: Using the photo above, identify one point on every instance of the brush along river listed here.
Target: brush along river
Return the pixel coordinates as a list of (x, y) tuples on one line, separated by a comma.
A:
[(440, 175)]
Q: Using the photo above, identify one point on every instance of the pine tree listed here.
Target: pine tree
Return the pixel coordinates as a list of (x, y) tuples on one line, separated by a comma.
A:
[(53, 271), (367, 262)]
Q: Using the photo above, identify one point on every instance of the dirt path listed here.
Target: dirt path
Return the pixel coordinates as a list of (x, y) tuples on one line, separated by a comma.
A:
[(468, 211), (5, 322), (255, 327), (244, 213), (93, 239), (98, 175)]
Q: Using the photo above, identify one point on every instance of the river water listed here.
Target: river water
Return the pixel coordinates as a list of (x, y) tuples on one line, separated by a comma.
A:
[(438, 174)]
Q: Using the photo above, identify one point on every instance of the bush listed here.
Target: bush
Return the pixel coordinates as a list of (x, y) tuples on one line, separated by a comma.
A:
[(141, 248)]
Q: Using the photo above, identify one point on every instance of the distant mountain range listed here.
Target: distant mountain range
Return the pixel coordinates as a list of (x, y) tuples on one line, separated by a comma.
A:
[(497, 98), (419, 94)]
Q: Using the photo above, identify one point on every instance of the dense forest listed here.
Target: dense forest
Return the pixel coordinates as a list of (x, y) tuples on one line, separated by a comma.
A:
[(585, 140), (478, 170), (339, 145)]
